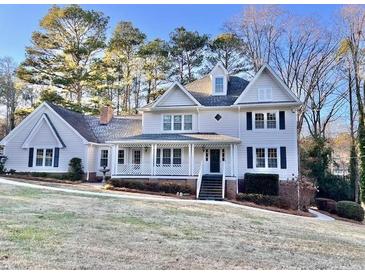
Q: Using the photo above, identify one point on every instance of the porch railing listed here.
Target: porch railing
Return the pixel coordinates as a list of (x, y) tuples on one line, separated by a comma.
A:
[(134, 169), (172, 169), (224, 180)]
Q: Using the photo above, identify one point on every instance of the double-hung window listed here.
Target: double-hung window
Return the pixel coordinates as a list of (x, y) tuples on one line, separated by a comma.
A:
[(44, 157), (260, 157), (176, 160), (259, 120), (272, 160), (104, 155), (266, 157), (178, 122), (121, 157), (271, 120), (167, 119), (218, 85), (166, 156), (265, 120)]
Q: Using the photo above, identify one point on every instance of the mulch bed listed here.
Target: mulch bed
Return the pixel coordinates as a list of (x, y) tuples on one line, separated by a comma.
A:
[(41, 179), (276, 209), (123, 189)]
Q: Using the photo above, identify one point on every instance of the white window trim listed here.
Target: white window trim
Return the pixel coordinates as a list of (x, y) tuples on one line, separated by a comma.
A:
[(265, 121), (182, 122), (266, 168), (43, 166)]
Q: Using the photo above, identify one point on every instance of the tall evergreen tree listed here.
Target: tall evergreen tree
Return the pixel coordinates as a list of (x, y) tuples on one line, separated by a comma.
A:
[(187, 53), (122, 55), (63, 51), (155, 65), (228, 49)]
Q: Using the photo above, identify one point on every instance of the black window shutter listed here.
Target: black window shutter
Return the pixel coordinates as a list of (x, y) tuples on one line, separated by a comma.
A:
[(249, 157), (249, 120), (282, 120), (283, 157), (56, 157), (30, 159)]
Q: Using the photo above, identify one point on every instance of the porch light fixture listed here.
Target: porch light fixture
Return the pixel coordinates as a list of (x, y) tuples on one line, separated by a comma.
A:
[(203, 148), (145, 149)]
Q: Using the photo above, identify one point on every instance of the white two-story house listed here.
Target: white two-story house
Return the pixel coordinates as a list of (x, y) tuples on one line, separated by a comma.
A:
[(214, 129)]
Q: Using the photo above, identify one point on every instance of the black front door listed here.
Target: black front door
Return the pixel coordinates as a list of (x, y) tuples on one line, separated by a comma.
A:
[(214, 160)]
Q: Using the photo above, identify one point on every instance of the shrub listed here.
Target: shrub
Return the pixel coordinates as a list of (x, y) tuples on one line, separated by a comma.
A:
[(75, 171), (335, 187), (265, 184), (350, 210), (167, 187), (265, 200), (326, 205)]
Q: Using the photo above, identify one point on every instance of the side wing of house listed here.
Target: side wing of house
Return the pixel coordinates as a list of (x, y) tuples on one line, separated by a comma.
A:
[(268, 121), (43, 142)]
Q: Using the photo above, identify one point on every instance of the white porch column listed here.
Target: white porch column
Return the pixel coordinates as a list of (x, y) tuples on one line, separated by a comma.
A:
[(192, 159), (190, 169), (152, 158), (236, 160), (114, 157), (232, 159)]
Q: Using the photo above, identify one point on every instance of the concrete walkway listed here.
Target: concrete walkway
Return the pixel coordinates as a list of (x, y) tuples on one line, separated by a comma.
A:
[(319, 216)]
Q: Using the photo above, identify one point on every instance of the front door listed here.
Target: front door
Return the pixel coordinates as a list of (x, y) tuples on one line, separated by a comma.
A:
[(214, 160)]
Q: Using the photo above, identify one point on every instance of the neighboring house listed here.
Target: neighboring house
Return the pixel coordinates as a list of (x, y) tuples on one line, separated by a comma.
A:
[(219, 125)]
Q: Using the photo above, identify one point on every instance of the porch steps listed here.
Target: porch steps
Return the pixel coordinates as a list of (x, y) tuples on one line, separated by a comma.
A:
[(211, 187)]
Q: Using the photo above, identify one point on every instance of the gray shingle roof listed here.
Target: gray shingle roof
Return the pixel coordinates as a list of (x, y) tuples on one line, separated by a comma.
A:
[(89, 127), (201, 90), (198, 137)]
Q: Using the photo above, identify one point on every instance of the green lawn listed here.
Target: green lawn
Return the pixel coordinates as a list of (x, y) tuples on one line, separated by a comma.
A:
[(54, 230)]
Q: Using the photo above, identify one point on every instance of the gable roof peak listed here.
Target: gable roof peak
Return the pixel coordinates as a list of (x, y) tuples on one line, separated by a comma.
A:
[(221, 66)]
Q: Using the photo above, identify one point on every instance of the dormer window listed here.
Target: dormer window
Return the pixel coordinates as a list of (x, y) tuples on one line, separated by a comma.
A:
[(219, 85)]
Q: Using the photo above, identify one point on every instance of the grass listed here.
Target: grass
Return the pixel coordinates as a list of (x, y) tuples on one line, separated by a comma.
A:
[(52, 230)]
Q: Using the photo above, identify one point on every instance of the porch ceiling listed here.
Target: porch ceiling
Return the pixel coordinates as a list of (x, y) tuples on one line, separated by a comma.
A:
[(190, 138)]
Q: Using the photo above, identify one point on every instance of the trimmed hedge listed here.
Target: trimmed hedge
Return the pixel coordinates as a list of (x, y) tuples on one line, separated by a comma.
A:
[(335, 187), (350, 210), (58, 176), (167, 187), (265, 184), (265, 200), (325, 204)]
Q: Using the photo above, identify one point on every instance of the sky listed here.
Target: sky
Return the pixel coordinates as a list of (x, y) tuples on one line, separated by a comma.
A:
[(17, 22)]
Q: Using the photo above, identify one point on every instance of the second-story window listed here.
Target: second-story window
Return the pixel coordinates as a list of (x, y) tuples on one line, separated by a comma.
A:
[(177, 122), (271, 120), (259, 120), (188, 122), (218, 85)]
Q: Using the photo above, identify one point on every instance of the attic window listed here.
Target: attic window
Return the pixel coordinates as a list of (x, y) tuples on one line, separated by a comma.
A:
[(218, 85), (264, 94), (218, 117)]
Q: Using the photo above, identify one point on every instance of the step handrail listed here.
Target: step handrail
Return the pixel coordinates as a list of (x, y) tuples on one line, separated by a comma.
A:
[(199, 180), (224, 180)]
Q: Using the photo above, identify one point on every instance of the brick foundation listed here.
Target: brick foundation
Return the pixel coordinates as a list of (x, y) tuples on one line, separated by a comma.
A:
[(288, 190), (231, 189), (92, 177)]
